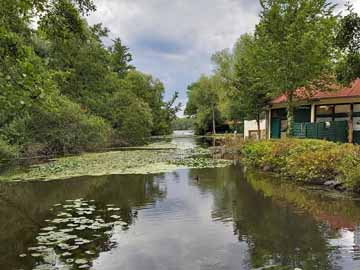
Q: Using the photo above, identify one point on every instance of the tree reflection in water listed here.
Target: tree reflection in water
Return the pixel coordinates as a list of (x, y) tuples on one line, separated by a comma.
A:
[(282, 224), (189, 219), (25, 209)]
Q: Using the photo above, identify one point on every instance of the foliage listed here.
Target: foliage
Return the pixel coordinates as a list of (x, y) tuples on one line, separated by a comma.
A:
[(183, 124), (154, 158), (199, 162), (151, 91), (60, 87), (203, 103), (7, 152), (348, 42), (293, 47), (299, 41), (59, 126), (131, 119), (311, 161), (249, 80)]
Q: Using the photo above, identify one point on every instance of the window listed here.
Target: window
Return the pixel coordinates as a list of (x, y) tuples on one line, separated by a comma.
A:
[(357, 108), (324, 110), (323, 119), (356, 122), (343, 109)]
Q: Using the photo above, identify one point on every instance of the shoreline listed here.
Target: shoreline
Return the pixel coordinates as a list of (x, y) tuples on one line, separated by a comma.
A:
[(317, 163)]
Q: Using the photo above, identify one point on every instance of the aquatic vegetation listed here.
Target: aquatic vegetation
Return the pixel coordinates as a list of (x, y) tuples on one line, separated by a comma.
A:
[(155, 158), (199, 162), (74, 237)]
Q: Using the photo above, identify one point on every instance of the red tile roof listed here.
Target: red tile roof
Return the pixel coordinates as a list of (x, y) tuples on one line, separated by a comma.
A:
[(352, 91)]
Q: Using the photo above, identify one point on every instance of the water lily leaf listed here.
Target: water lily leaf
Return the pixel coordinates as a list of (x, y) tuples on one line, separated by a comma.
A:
[(81, 261)]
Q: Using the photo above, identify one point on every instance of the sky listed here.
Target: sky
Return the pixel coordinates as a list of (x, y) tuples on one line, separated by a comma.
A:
[(173, 40)]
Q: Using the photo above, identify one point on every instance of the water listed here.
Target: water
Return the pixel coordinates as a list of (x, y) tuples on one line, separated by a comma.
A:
[(225, 220)]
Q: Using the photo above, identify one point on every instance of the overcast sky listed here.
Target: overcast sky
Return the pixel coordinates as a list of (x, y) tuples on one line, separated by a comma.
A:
[(174, 39)]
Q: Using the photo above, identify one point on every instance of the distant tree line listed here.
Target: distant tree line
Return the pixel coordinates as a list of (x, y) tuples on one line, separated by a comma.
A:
[(63, 91), (183, 124), (296, 44)]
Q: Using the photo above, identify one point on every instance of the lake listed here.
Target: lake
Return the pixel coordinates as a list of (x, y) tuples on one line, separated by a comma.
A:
[(191, 219)]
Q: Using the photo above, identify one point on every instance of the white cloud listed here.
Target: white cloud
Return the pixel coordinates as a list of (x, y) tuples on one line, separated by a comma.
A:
[(173, 40)]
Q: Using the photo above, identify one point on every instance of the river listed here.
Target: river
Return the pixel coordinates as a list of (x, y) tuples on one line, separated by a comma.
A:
[(198, 219)]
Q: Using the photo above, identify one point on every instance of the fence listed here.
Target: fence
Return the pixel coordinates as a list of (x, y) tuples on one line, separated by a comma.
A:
[(332, 131)]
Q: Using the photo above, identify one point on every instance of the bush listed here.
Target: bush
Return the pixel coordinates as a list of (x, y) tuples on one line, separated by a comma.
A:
[(311, 161), (131, 119), (7, 152), (59, 126)]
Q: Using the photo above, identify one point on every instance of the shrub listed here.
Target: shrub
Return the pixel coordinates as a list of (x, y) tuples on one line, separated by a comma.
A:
[(269, 154), (311, 161), (59, 126), (130, 118), (349, 167), (7, 152)]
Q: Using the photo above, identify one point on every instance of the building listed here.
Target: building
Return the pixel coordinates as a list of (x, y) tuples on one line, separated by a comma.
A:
[(333, 115), (251, 129)]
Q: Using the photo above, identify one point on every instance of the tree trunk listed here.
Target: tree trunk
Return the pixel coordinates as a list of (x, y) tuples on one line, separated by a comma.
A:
[(290, 117), (258, 127), (213, 120)]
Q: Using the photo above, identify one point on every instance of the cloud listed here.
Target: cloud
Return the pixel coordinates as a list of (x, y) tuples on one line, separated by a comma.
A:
[(174, 40)]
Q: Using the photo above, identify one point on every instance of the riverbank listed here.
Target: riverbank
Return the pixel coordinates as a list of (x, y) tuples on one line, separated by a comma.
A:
[(305, 161), (154, 158)]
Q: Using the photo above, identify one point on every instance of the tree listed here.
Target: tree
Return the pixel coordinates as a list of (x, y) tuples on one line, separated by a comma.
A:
[(130, 117), (250, 82), (62, 90), (348, 42), (121, 57), (203, 103), (298, 36), (183, 124), (225, 74), (151, 91)]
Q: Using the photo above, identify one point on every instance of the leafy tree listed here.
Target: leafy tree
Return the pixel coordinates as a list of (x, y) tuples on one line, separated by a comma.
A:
[(298, 36), (62, 90), (225, 75), (348, 41), (130, 117), (253, 89), (183, 124), (203, 103), (151, 91), (57, 125), (121, 57)]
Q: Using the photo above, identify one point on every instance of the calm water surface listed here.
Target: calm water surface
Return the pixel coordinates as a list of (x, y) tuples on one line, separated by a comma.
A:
[(226, 220)]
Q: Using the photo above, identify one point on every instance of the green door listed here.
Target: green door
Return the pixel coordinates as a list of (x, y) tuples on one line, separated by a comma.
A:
[(275, 128)]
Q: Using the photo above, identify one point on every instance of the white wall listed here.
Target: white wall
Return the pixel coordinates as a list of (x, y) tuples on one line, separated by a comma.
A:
[(252, 125)]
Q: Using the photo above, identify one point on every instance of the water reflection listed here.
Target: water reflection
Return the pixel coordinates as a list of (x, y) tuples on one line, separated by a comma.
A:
[(189, 219), (25, 208)]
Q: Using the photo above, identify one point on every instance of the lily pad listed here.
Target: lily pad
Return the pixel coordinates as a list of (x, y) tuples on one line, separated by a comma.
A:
[(81, 261)]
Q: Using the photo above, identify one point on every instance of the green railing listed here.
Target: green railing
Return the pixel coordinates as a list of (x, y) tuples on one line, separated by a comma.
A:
[(331, 131)]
